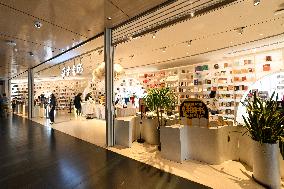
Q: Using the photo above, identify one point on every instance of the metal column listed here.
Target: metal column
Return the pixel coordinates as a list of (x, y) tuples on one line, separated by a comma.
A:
[(109, 104), (30, 92)]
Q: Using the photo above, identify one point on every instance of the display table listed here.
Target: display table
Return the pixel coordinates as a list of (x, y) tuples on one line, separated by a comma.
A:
[(174, 143), (124, 129), (96, 110), (125, 112)]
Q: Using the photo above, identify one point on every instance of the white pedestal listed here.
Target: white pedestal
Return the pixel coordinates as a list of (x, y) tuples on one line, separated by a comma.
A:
[(174, 143), (124, 127)]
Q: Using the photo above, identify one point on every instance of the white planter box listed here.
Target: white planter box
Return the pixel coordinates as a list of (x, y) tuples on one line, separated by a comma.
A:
[(174, 143), (124, 131)]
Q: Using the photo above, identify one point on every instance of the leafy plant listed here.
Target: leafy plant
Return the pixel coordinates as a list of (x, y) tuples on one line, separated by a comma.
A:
[(160, 100), (264, 121)]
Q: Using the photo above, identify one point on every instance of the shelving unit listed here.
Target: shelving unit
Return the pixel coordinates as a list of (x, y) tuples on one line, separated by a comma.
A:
[(230, 78)]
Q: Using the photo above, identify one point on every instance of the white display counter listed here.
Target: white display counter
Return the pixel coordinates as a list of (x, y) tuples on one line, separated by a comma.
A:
[(174, 143), (95, 110), (126, 131), (209, 145)]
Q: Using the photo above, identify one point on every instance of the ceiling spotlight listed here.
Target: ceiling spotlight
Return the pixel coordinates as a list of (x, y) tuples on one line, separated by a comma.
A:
[(154, 35), (192, 13), (109, 18), (164, 49), (240, 30), (16, 50), (256, 2), (189, 43), (38, 24), (31, 53)]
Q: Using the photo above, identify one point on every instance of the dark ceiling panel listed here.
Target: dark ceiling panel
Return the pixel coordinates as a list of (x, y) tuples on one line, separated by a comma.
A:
[(64, 24), (83, 18)]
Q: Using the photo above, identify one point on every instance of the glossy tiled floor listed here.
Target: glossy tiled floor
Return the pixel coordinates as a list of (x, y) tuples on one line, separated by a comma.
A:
[(32, 156), (230, 174)]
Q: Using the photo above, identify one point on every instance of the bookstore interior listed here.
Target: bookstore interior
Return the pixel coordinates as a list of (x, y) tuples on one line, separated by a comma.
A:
[(197, 81)]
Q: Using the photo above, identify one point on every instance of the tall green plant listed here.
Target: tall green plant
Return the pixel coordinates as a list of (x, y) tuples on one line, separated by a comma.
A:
[(159, 100), (264, 121)]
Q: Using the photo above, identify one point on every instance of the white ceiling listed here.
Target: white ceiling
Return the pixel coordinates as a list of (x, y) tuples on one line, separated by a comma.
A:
[(209, 32)]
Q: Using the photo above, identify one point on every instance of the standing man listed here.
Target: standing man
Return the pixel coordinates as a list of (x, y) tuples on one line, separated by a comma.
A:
[(52, 105)]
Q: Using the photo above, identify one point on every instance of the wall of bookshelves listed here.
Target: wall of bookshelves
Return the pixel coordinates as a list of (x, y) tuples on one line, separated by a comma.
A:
[(64, 90), (231, 78)]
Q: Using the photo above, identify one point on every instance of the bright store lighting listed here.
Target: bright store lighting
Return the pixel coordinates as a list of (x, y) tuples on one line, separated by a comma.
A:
[(256, 2), (154, 35), (189, 43), (38, 24)]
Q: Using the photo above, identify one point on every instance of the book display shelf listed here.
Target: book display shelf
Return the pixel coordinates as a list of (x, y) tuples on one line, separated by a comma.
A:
[(64, 91), (230, 78)]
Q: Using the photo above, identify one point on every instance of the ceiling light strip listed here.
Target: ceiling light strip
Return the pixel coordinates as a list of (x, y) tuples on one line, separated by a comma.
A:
[(215, 50), (157, 19), (158, 26), (156, 13), (177, 15), (214, 34)]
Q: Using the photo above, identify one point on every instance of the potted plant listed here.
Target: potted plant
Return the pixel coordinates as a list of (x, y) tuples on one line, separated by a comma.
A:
[(160, 100), (265, 126)]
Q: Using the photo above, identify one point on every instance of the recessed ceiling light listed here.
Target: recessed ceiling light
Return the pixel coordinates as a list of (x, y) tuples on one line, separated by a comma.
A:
[(16, 50), (109, 18), (240, 30), (187, 53), (154, 35), (38, 24), (11, 43), (189, 43), (231, 42), (261, 34), (164, 49), (31, 53), (256, 2)]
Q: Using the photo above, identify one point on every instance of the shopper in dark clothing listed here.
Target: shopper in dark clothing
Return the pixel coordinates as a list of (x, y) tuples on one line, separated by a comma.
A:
[(77, 103), (14, 104), (52, 105)]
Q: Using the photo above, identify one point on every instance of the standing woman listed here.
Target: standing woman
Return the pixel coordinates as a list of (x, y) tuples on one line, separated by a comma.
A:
[(77, 103), (52, 105)]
